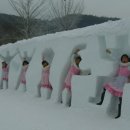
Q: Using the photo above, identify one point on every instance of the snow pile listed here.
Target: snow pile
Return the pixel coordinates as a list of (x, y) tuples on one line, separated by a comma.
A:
[(37, 114)]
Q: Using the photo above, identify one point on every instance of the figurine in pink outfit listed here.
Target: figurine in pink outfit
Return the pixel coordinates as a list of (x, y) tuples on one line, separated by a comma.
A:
[(25, 65), (116, 87), (5, 67), (5, 72), (44, 82), (74, 70)]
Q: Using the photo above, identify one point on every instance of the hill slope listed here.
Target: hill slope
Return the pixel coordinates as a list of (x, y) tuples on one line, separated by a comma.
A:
[(11, 25)]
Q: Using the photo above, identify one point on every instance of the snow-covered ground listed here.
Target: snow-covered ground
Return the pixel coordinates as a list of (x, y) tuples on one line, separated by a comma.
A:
[(20, 111), (24, 111)]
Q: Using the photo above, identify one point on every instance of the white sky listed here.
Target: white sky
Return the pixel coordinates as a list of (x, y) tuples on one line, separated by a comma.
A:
[(112, 8)]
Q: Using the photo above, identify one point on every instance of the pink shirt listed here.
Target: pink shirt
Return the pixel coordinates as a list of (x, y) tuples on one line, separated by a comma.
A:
[(5, 73), (45, 78), (23, 74), (123, 71), (74, 70)]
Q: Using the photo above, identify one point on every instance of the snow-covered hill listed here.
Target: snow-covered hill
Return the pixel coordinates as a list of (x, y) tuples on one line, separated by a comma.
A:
[(25, 111)]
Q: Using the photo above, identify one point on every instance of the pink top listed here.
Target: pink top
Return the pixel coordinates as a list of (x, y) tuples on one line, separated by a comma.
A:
[(23, 74), (45, 78), (74, 70), (116, 87), (5, 73), (123, 71)]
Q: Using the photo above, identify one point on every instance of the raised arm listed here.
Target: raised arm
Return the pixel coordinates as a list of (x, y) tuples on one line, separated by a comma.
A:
[(85, 72), (31, 56), (19, 53), (114, 54), (33, 52), (22, 58), (7, 59), (14, 55), (74, 55), (2, 57)]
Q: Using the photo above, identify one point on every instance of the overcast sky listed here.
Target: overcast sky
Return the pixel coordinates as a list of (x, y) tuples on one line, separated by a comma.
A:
[(111, 8)]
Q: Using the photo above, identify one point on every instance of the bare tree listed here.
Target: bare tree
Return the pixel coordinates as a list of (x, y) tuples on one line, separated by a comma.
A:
[(66, 13), (29, 11)]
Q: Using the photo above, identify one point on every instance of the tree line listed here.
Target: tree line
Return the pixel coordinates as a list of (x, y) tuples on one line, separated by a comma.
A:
[(39, 17)]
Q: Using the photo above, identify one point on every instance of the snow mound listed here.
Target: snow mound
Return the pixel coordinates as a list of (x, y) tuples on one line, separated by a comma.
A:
[(93, 41)]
